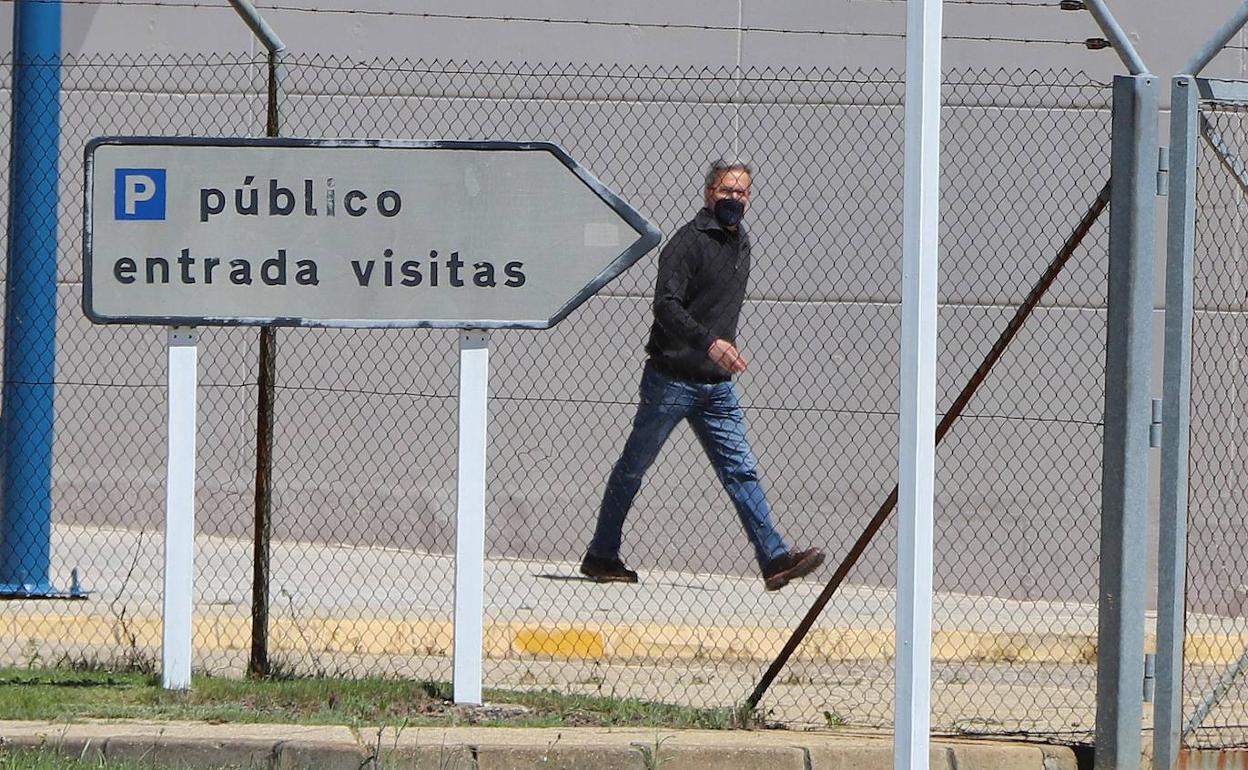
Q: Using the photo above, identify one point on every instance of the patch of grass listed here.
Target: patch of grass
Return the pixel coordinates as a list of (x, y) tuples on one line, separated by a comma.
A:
[(48, 759), (551, 708), (53, 694)]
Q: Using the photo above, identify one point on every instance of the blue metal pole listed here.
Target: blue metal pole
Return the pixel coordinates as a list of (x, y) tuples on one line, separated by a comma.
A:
[(30, 302)]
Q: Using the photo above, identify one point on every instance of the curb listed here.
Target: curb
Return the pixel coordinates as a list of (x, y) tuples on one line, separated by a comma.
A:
[(519, 749)]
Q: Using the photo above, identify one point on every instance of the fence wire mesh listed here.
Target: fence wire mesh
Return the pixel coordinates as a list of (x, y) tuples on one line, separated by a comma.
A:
[(364, 451), (1216, 650)]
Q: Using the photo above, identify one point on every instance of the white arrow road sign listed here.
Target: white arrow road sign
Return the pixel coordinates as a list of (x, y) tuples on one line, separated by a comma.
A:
[(344, 232), (347, 232)]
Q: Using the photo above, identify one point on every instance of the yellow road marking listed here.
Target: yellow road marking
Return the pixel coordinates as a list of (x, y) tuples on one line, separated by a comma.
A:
[(645, 641)]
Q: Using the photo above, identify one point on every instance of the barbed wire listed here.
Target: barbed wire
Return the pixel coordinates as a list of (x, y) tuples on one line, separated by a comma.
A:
[(194, 4), (1009, 3), (1043, 4)]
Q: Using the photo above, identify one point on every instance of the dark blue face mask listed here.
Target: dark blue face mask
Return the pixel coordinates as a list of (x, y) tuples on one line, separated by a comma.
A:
[(728, 211)]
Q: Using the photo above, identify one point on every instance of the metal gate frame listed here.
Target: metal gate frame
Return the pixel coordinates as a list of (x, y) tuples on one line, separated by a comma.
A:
[(1187, 89)]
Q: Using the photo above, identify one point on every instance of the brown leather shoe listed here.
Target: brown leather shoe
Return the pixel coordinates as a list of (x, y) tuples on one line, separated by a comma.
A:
[(795, 564)]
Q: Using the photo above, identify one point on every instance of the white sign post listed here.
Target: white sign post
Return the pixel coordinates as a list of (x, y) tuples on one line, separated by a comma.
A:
[(474, 370), (186, 232), (180, 510)]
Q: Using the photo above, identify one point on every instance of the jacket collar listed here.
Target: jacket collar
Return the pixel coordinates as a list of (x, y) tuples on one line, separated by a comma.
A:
[(706, 222)]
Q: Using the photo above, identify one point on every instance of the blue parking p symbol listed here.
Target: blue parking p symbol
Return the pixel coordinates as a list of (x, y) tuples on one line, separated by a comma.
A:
[(139, 193)]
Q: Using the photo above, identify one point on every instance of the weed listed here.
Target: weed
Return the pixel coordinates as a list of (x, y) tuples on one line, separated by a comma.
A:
[(550, 747), (746, 718), (282, 668), (133, 658), (653, 758), (375, 748), (834, 719), (596, 679), (379, 756), (285, 668), (33, 658)]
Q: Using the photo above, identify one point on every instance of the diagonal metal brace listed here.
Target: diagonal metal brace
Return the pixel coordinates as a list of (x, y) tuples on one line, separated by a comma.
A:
[(1219, 692), (1226, 157), (955, 410)]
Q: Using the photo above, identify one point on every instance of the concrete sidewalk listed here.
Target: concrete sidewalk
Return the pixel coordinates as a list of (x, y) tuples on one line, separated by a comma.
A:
[(287, 747), (699, 640), (327, 598)]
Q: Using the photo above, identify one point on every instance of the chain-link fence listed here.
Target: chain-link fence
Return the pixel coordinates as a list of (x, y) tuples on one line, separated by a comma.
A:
[(1216, 651), (364, 452)]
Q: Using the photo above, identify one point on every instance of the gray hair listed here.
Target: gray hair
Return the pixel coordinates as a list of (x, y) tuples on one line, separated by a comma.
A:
[(719, 166)]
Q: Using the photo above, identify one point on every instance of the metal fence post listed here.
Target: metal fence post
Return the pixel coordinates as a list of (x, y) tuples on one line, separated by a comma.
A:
[(917, 419), (30, 306), (1168, 727), (1124, 496), (1176, 409), (258, 661)]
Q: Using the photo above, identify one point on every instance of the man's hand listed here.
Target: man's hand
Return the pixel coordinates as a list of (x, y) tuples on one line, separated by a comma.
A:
[(726, 355)]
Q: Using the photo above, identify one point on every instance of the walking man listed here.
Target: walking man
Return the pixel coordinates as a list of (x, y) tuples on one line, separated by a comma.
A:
[(692, 356)]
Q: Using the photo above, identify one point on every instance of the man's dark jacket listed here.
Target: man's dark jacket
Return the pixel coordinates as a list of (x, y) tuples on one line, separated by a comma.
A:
[(703, 272)]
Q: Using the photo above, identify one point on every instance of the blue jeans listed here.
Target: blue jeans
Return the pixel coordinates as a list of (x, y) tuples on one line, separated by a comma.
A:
[(716, 417)]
